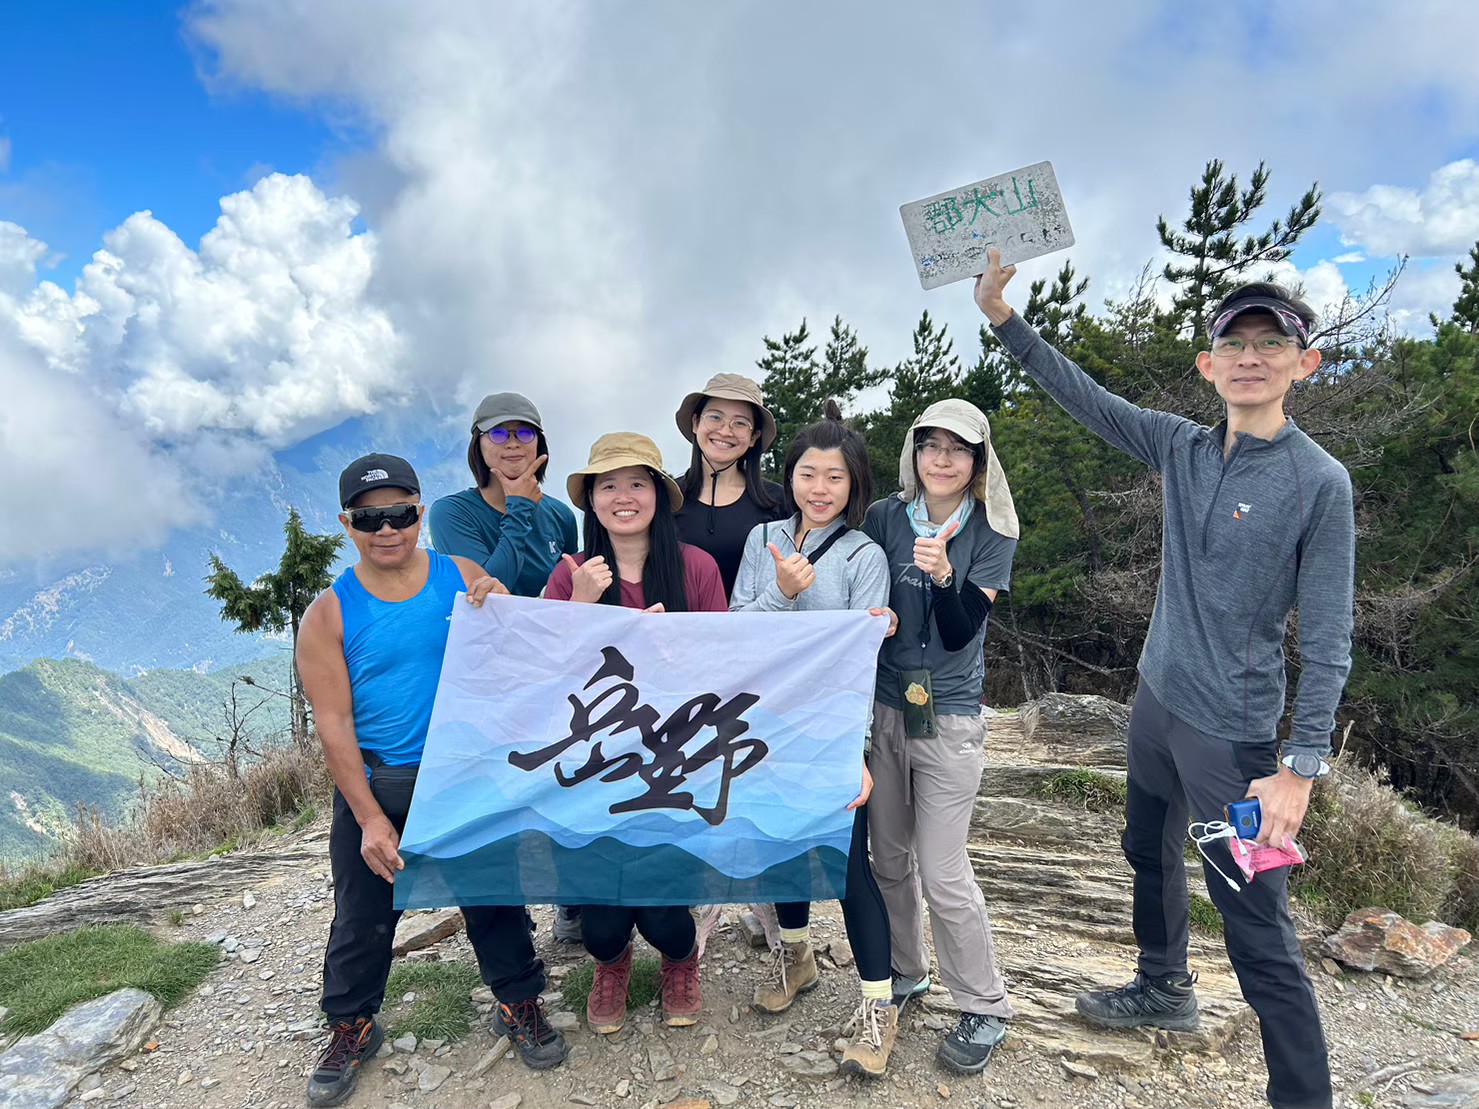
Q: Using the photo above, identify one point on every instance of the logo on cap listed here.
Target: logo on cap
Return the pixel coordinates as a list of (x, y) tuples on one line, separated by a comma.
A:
[(374, 475)]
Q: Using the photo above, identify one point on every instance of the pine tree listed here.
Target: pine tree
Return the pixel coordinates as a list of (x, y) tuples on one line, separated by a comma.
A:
[(931, 374), (1208, 240), (1466, 307), (277, 600), (796, 385)]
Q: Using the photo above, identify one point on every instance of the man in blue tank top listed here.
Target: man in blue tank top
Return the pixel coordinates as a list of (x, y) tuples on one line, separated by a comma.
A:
[(370, 655)]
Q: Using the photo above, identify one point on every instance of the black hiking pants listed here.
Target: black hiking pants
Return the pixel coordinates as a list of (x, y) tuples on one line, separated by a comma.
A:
[(357, 960), (1178, 775)]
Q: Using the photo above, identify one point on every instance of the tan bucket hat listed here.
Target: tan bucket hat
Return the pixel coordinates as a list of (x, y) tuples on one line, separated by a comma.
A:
[(726, 387), (616, 451)]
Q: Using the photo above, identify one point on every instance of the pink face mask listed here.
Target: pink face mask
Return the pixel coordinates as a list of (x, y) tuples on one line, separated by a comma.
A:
[(1250, 857)]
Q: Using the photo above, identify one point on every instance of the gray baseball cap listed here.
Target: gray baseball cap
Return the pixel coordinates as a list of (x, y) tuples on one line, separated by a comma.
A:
[(500, 408)]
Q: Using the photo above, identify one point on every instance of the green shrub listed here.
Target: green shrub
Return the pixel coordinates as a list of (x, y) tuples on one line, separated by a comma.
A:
[(41, 980), (1368, 849), (443, 1008), (1094, 791)]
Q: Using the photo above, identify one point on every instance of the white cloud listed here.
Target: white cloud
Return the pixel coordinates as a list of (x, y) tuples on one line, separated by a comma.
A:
[(76, 477), (170, 362), (1350, 258), (1439, 221)]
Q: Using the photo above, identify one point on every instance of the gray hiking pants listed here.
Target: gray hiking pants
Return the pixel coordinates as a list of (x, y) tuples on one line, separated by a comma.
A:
[(1177, 774), (924, 791)]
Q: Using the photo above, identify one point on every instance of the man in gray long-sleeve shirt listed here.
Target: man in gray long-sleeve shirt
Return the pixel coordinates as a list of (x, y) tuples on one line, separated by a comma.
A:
[(1258, 521)]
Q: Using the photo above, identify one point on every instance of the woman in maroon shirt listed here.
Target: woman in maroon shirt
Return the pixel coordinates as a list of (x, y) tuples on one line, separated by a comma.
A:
[(633, 558)]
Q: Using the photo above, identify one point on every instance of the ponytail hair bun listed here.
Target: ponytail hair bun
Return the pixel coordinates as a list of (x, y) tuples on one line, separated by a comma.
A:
[(831, 411)]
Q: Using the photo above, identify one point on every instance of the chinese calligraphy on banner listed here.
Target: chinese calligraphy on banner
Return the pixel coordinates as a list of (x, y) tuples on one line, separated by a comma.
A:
[(589, 754), (1020, 213)]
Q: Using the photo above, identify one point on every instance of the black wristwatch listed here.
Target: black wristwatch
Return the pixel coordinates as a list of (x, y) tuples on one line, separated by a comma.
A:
[(1306, 765)]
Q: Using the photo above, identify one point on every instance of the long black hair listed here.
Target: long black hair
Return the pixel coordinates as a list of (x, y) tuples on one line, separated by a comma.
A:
[(692, 481), (831, 434), (662, 572)]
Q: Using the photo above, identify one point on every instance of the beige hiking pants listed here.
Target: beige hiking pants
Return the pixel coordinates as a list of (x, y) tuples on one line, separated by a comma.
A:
[(924, 791)]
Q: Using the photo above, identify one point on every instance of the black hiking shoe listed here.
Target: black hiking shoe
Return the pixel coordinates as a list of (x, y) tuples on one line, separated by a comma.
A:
[(968, 1049), (351, 1042), (1166, 1001), (540, 1046)]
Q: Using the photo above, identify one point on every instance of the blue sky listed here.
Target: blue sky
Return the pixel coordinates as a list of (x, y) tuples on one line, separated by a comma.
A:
[(106, 115), (367, 210)]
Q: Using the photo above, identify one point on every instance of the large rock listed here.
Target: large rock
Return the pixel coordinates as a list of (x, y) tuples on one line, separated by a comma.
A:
[(1082, 730), (1379, 939), (42, 1071), (141, 896), (418, 930), (1450, 1091)]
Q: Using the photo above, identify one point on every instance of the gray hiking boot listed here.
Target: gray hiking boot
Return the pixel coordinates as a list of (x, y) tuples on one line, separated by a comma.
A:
[(1166, 1001), (908, 989), (968, 1048)]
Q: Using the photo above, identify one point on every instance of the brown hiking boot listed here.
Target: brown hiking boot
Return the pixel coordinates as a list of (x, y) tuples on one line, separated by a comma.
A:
[(794, 970), (682, 1000), (876, 1027), (606, 1007)]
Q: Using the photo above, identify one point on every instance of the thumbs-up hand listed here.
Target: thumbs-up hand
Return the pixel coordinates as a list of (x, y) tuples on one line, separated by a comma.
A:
[(588, 581), (793, 573), (930, 554)]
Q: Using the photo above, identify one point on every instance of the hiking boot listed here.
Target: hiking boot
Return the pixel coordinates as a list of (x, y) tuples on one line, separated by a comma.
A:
[(567, 924), (540, 1046), (794, 971), (1166, 1001), (876, 1027), (351, 1042), (907, 989), (682, 1000), (968, 1049), (606, 1007)]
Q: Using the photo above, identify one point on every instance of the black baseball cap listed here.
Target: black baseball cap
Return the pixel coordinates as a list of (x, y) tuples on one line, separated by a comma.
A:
[(1286, 319), (376, 471)]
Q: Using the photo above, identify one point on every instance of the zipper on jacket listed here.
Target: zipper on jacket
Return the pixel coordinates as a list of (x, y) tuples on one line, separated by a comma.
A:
[(1221, 477)]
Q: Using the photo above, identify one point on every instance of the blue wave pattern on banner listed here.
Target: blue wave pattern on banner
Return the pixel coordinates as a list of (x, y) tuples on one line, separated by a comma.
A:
[(484, 831)]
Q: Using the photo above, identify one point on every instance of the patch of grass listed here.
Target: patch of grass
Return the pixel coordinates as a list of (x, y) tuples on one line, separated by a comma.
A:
[(1094, 791), (646, 978), (1365, 1097), (443, 1008), (1204, 915), (41, 980), (176, 917), (305, 818), (28, 886)]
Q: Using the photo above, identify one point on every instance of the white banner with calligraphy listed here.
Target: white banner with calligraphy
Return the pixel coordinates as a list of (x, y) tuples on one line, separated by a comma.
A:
[(590, 754)]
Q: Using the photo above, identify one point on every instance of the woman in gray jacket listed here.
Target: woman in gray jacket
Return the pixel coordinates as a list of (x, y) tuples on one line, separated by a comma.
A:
[(816, 560)]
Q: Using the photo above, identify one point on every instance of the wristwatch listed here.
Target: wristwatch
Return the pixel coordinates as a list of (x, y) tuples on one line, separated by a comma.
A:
[(947, 583), (1306, 765)]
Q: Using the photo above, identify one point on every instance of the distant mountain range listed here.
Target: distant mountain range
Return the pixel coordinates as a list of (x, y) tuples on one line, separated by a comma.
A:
[(72, 733), (148, 610)]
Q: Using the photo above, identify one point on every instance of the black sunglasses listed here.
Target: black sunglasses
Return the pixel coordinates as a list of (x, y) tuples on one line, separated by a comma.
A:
[(398, 516), (499, 435)]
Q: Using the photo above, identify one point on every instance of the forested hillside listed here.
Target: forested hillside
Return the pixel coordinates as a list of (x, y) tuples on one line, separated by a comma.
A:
[(72, 733)]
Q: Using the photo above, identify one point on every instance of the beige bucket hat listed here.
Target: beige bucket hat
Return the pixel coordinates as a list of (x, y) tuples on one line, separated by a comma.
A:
[(616, 451), (726, 387), (962, 418)]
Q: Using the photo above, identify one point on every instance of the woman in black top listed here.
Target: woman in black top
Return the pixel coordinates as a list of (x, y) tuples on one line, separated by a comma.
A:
[(724, 494)]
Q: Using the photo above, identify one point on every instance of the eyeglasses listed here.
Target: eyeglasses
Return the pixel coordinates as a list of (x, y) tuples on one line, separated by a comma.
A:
[(931, 449), (716, 421), (1230, 347), (499, 435), (371, 520)]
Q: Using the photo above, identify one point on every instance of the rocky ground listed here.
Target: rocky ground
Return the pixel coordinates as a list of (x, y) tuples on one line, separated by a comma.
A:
[(1059, 895)]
